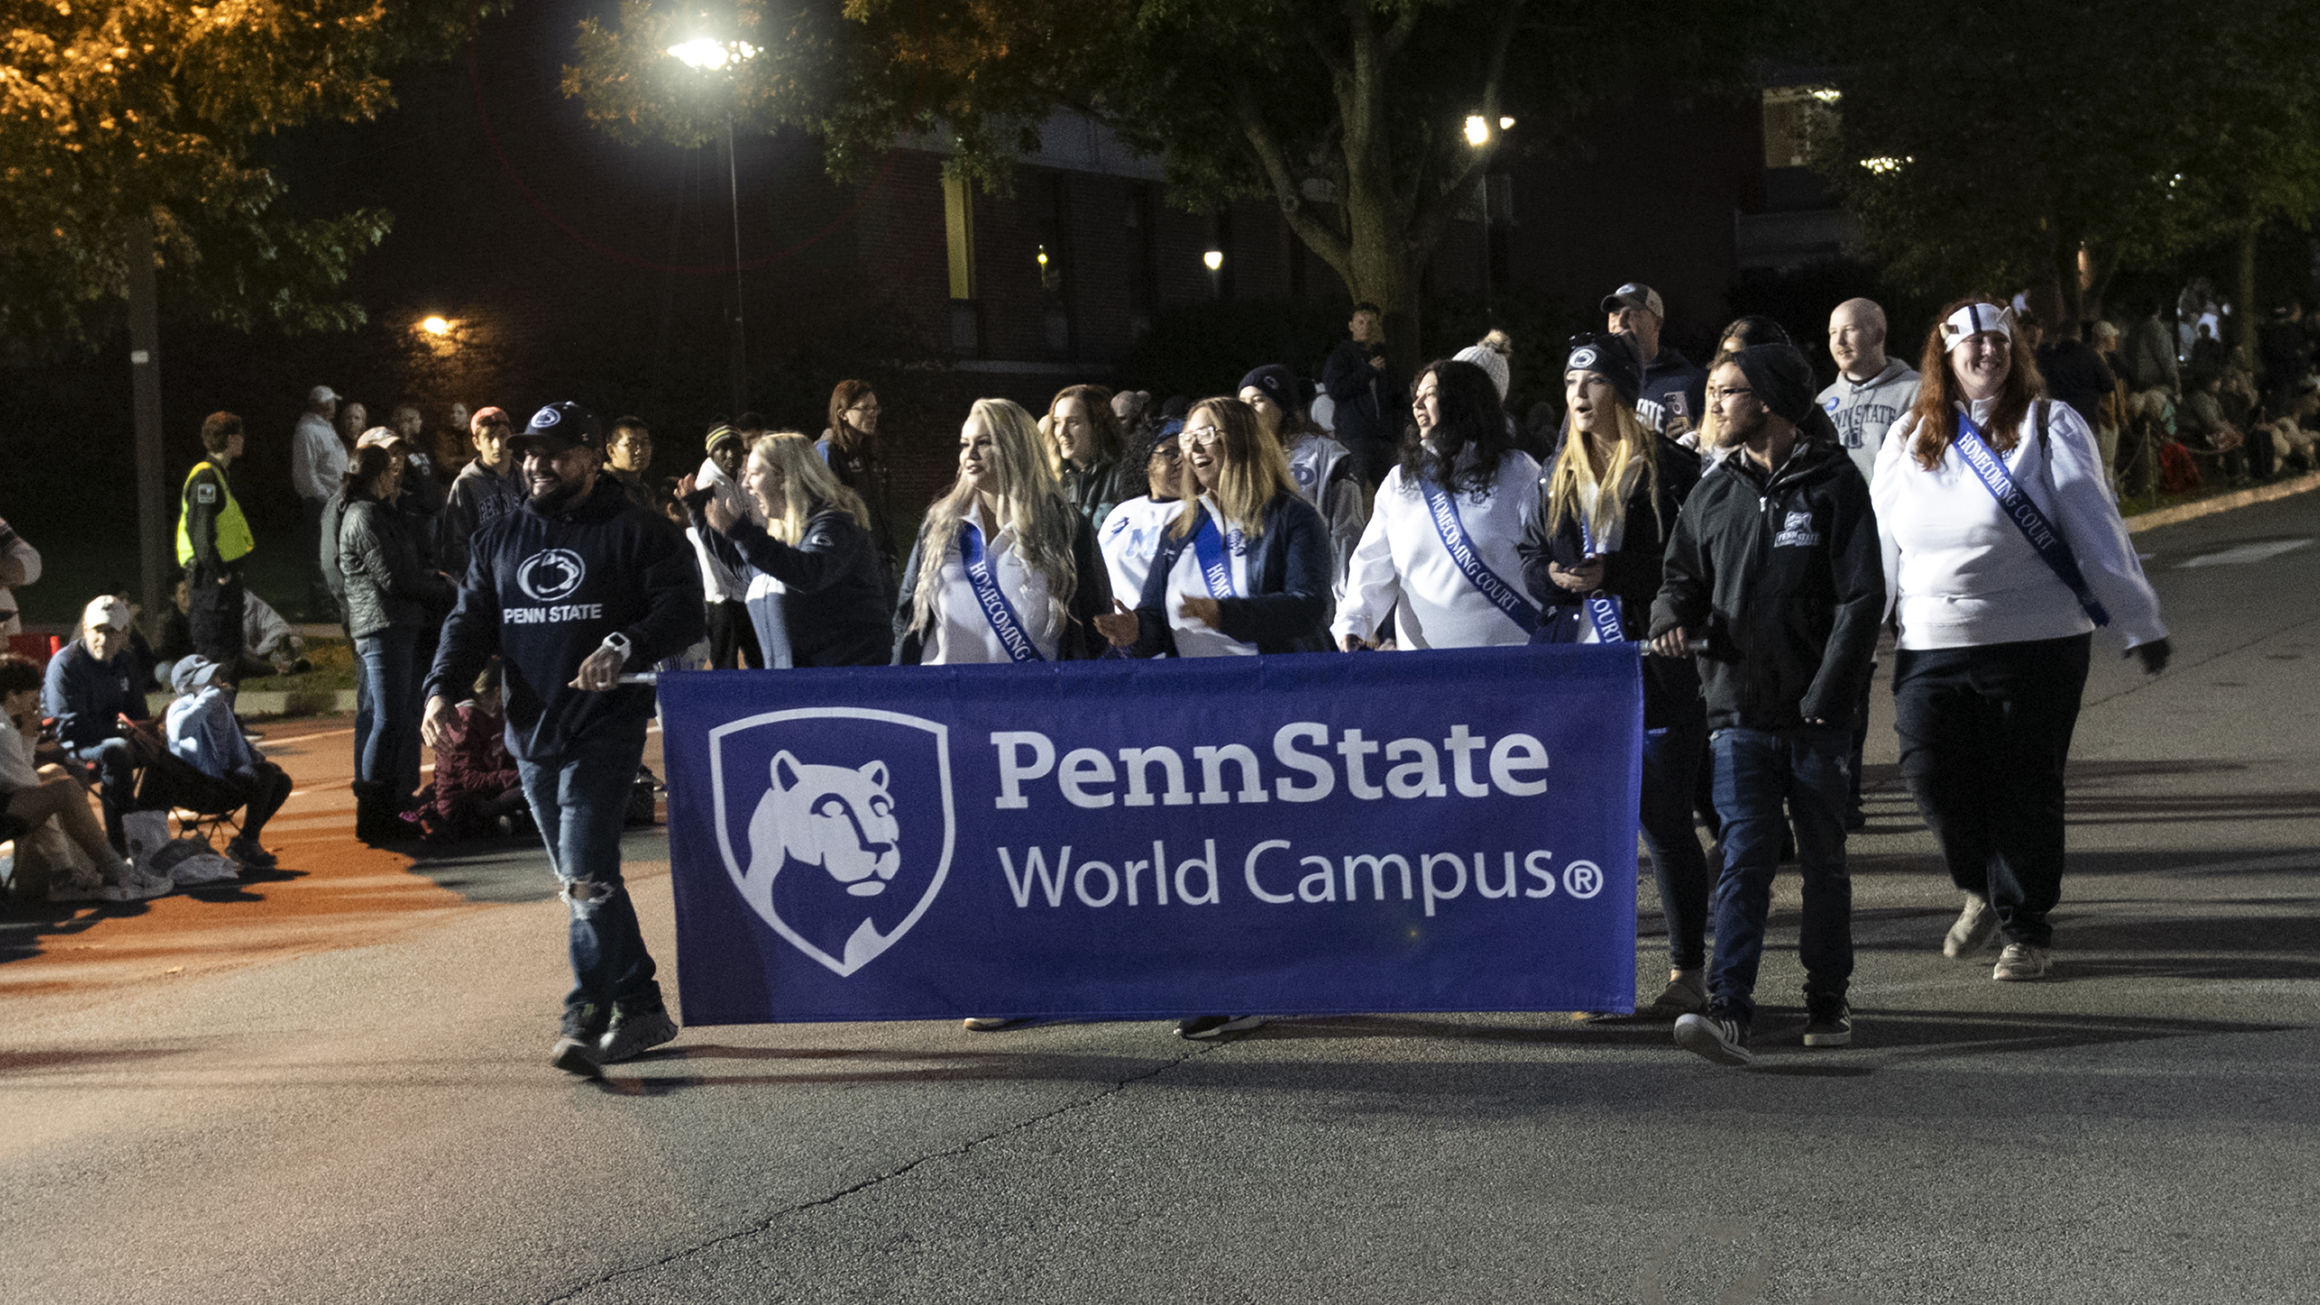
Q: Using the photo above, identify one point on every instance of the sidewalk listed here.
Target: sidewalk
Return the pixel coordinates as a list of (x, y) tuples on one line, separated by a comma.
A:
[(330, 892)]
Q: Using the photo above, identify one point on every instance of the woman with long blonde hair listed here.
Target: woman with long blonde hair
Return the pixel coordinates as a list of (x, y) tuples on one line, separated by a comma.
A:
[(1005, 568), (1592, 558), (816, 582), (1244, 567)]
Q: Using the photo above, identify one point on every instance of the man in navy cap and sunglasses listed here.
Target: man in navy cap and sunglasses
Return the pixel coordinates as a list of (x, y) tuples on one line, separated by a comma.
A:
[(571, 591)]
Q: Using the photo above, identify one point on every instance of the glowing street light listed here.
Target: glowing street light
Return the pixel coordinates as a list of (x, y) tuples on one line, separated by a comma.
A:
[(436, 326), (1506, 124), (1477, 131), (706, 53), (1213, 260)]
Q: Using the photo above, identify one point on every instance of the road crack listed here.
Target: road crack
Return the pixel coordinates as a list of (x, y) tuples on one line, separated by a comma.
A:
[(877, 1180)]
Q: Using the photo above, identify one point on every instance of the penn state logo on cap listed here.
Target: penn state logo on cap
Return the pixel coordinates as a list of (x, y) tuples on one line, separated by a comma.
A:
[(1582, 359), (563, 425), (836, 825)]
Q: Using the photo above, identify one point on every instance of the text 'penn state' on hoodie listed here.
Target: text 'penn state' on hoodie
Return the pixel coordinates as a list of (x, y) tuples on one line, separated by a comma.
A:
[(543, 589)]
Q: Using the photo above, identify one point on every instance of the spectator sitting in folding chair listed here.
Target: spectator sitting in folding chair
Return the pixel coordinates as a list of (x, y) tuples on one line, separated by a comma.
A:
[(57, 832), (95, 692), (203, 732)]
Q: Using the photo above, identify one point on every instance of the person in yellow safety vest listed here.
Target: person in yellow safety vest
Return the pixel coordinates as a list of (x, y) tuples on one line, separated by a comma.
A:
[(212, 539)]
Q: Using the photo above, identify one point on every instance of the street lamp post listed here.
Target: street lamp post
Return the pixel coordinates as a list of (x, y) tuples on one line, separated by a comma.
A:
[(707, 54)]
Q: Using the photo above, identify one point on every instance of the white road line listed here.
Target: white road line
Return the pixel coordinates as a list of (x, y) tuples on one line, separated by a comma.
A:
[(2245, 554)]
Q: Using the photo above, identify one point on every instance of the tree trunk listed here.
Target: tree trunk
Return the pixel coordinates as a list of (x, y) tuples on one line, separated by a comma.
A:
[(2247, 290)]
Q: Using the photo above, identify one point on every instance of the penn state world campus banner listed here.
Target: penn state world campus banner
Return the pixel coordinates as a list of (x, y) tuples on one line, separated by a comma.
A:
[(1417, 831)]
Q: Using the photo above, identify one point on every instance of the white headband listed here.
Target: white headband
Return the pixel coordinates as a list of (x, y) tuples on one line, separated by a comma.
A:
[(1973, 320)]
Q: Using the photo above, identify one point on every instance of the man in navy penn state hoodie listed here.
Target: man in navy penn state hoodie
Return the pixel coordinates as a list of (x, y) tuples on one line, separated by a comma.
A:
[(577, 587)]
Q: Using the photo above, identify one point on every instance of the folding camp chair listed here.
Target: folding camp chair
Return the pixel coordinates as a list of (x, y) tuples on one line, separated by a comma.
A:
[(202, 802)]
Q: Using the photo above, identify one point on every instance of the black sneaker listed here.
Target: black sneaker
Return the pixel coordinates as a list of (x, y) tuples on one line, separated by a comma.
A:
[(575, 1050), (1828, 1024), (1203, 1027), (634, 1030), (1720, 1038)]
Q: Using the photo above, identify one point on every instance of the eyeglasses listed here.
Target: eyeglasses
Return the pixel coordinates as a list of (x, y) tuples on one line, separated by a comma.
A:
[(1166, 455), (1737, 391), (1205, 436), (864, 409)]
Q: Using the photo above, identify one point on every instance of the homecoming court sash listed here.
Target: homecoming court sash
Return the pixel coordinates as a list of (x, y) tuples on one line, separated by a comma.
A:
[(1602, 608), (1503, 596), (995, 607), (2016, 507), (1215, 565)]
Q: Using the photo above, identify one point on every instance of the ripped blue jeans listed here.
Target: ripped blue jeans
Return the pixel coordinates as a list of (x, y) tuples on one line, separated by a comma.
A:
[(581, 803)]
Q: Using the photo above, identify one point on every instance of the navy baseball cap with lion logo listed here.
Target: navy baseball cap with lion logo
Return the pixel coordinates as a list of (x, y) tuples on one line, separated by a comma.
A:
[(561, 426)]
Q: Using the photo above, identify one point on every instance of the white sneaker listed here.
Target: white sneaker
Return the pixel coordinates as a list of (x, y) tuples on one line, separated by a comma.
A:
[(1971, 932), (2021, 962), (140, 885)]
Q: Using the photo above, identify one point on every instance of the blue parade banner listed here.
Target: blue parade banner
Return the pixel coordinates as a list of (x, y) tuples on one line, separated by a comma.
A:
[(1304, 834)]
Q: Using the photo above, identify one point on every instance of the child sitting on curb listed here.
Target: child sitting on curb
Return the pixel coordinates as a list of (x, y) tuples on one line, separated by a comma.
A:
[(476, 793), (63, 843)]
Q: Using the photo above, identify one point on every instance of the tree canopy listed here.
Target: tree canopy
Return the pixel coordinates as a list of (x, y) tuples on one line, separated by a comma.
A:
[(1350, 115), (158, 109), (1988, 142)]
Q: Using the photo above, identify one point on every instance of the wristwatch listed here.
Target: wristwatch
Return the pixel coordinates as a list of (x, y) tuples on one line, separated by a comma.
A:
[(619, 643)]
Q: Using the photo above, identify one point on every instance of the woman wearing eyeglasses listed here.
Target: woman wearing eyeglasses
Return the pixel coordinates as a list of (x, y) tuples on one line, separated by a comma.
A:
[(2003, 554), (850, 447), (1437, 566), (1242, 570), (1244, 567), (1005, 570)]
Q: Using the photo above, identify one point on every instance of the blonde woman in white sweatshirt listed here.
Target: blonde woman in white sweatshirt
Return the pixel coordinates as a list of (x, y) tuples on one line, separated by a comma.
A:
[(2003, 554)]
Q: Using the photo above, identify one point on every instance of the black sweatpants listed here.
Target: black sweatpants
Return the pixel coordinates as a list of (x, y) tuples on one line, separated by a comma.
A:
[(1985, 733), (213, 615), (732, 637)]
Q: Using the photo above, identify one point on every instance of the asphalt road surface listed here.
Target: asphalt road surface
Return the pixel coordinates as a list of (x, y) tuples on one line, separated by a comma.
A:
[(330, 1085)]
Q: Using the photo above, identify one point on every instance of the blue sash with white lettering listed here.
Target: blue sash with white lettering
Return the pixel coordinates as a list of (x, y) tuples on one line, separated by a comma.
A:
[(1602, 608), (996, 609), (1215, 567), (2051, 547), (1503, 596)]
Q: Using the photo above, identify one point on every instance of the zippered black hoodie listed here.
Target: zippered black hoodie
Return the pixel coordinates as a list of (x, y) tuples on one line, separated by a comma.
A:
[(1784, 574), (542, 591)]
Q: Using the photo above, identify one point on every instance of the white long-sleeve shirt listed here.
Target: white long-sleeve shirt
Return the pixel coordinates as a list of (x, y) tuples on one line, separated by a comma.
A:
[(1960, 574), (959, 633), (317, 459), (1128, 540), (1402, 569), (719, 582)]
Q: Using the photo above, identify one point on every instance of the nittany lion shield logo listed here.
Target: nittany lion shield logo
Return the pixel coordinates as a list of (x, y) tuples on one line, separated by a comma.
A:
[(551, 574), (835, 823)]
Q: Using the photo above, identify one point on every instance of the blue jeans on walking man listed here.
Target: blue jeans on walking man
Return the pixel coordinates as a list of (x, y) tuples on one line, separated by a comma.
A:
[(581, 804), (1757, 773)]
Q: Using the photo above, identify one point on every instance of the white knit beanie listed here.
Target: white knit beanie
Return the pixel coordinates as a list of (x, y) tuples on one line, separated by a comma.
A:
[(1489, 360)]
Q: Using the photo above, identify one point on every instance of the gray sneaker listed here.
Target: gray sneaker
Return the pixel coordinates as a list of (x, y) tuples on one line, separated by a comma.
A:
[(575, 1049), (2021, 962), (1719, 1038), (1828, 1025), (1972, 931), (634, 1032)]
